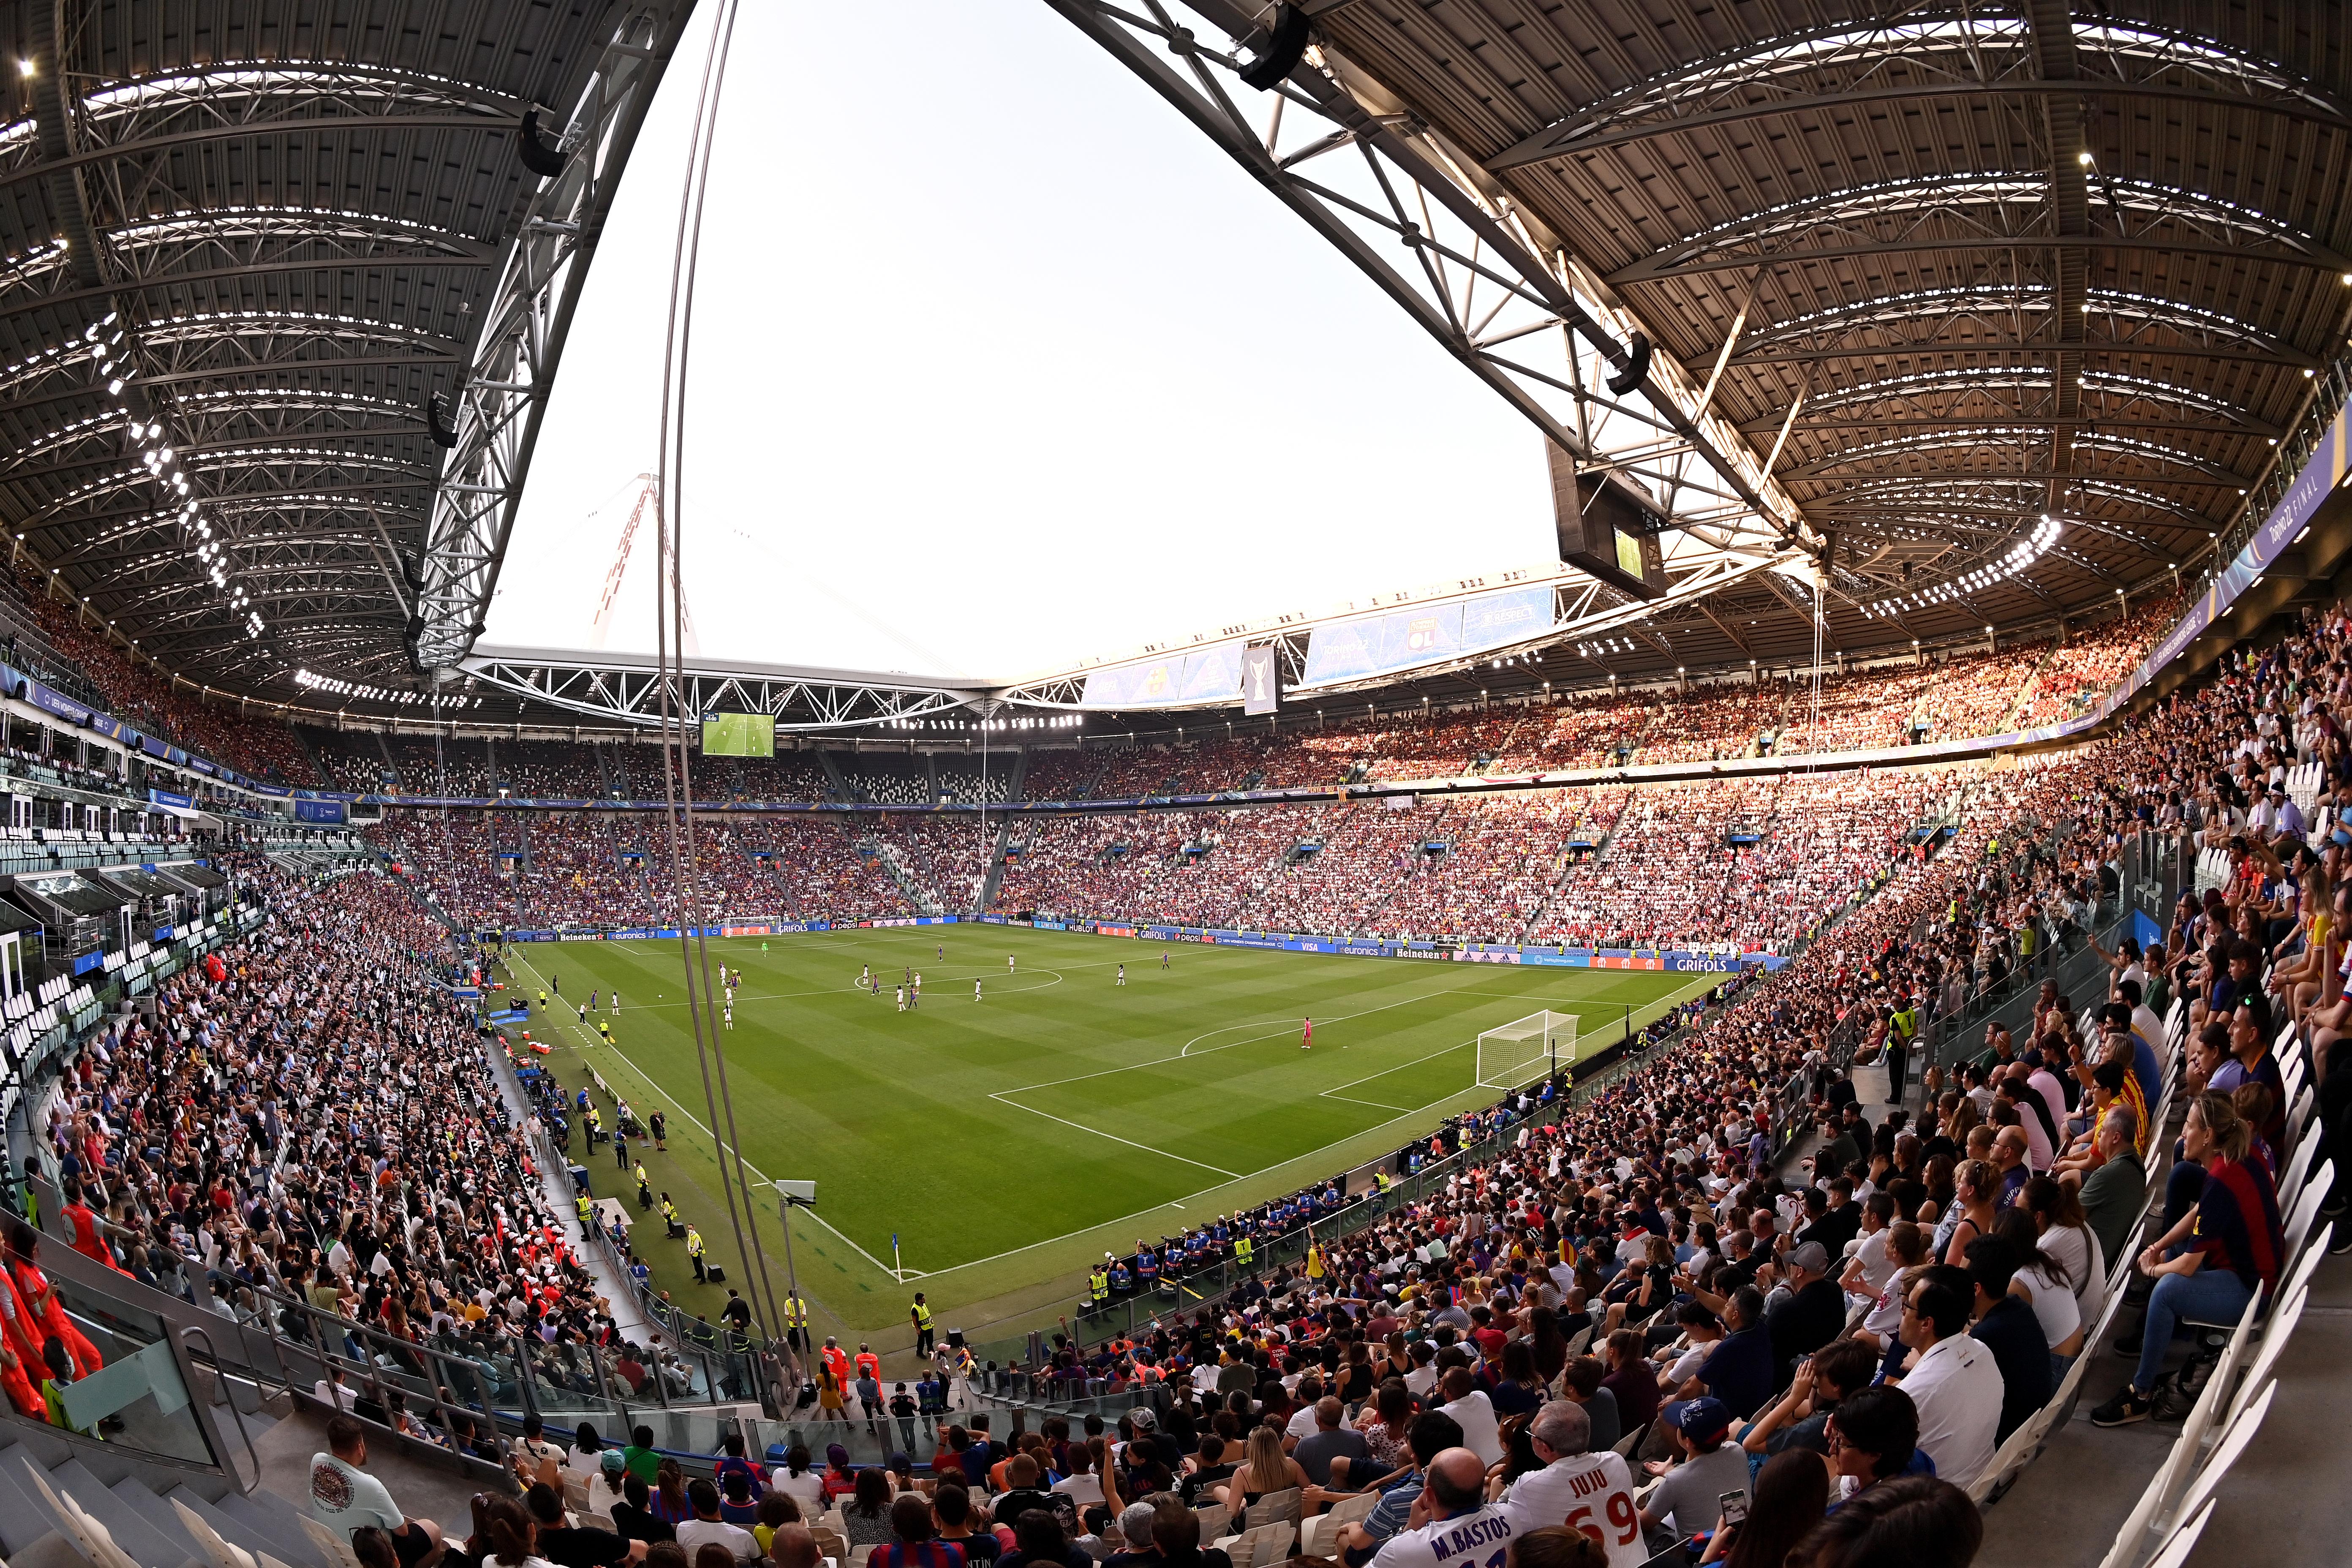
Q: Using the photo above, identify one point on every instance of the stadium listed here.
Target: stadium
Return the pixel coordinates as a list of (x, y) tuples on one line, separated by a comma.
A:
[(738, 834)]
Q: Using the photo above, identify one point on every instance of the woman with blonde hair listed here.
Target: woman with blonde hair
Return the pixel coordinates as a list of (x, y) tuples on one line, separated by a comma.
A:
[(1265, 1468)]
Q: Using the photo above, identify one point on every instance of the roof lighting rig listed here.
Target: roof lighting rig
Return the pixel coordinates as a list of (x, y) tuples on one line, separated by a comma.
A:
[(151, 446), (327, 685), (2020, 558)]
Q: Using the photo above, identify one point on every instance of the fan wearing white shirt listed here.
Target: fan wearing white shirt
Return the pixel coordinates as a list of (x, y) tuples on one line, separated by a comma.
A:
[(1954, 1383), (1474, 1413), (1450, 1526), (1578, 1488)]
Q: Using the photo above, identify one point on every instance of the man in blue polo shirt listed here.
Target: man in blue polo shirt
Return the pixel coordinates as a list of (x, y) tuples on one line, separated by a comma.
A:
[(1739, 1371)]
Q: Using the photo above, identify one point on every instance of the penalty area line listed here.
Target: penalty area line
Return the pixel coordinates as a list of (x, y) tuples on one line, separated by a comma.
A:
[(999, 1096)]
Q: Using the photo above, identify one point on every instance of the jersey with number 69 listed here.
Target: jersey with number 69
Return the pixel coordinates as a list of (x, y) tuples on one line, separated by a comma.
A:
[(1591, 1492), (1479, 1539)]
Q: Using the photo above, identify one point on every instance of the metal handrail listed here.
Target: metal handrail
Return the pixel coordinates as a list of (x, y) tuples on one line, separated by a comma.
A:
[(220, 1379)]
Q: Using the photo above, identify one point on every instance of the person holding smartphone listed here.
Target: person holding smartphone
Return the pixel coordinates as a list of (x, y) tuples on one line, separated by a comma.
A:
[(1792, 1493)]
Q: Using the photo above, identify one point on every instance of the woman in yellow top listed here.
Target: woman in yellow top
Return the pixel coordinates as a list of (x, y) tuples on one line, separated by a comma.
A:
[(829, 1393)]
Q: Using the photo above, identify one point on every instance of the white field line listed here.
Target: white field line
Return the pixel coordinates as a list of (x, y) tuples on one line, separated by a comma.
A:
[(1112, 1136), (725, 1149), (1121, 1220)]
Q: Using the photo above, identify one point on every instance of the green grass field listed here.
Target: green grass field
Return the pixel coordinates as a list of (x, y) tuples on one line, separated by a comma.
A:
[(1008, 1140)]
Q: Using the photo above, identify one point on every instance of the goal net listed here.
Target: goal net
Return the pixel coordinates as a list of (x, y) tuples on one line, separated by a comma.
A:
[(1521, 1052)]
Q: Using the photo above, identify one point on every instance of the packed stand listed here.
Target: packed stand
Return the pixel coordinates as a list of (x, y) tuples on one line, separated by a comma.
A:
[(2088, 664), (549, 770), (1975, 693), (314, 1119)]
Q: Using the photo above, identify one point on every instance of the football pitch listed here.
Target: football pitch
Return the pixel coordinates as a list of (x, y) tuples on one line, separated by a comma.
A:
[(1003, 1143)]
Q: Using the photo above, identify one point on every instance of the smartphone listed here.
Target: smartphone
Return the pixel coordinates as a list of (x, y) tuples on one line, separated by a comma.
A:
[(1734, 1508)]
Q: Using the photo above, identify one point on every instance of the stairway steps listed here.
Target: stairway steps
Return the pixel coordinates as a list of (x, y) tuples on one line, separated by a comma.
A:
[(271, 1523), (228, 1526), (132, 1532), (136, 1501), (22, 1520)]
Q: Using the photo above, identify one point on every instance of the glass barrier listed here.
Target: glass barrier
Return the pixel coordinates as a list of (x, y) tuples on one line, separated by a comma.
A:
[(124, 1378)]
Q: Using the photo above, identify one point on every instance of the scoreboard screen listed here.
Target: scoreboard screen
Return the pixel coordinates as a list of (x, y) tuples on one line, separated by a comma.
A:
[(739, 736)]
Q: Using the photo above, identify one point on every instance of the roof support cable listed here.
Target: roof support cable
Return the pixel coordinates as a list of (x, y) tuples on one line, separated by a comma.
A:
[(669, 627)]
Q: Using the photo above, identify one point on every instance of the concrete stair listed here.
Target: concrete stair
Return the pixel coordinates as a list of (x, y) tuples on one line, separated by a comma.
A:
[(62, 1514)]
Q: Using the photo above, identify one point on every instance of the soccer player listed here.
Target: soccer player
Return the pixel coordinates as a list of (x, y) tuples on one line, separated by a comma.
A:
[(900, 992), (1163, 958), (943, 953), (1008, 963), (1307, 1037), (1122, 975), (975, 990), (915, 996), (591, 1000), (728, 1015), (616, 999)]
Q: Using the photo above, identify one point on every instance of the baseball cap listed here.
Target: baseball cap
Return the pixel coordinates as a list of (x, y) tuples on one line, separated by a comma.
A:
[(1700, 1417), (1811, 1255), (1143, 1418)]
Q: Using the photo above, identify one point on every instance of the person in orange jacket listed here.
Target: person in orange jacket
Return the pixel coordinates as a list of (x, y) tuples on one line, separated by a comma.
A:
[(19, 1358), (44, 1312), (88, 1239)]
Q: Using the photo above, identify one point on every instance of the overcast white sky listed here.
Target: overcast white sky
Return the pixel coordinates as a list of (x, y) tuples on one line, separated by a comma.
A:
[(997, 365)]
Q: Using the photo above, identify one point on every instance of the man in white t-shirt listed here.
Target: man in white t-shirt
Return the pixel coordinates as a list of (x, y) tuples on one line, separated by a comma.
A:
[(1584, 1490), (345, 1497), (706, 1528), (1474, 1413), (1301, 1426), (1422, 1378), (1450, 1524), (1955, 1385)]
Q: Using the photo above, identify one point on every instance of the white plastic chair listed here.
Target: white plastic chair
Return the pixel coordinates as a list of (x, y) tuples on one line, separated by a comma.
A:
[(2300, 1117), (2274, 1338), (2291, 1185), (2184, 1540), (2306, 1209), (2225, 1453)]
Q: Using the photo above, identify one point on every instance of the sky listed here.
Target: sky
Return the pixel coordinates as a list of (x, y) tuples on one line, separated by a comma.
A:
[(997, 365)]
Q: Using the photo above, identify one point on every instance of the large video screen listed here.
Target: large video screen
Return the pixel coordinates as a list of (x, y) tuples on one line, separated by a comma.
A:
[(739, 736), (1403, 639)]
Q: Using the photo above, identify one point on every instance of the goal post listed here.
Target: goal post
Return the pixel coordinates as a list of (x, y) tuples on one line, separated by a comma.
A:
[(1519, 1053)]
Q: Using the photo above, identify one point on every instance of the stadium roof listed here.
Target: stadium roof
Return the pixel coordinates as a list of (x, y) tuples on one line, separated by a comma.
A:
[(1995, 309), (1993, 312), (248, 247)]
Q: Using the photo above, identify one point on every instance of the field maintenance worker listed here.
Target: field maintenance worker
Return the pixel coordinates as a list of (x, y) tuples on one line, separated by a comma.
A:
[(694, 1252), (921, 1314)]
